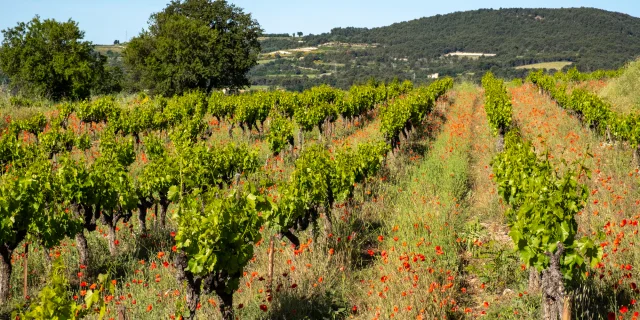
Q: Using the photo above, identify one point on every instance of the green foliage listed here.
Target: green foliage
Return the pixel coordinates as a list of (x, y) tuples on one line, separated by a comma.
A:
[(543, 206), (288, 103), (222, 47), (359, 99), (403, 114), (624, 91), (220, 238), (576, 76), (142, 117), (496, 103), (15, 151), (54, 300), (57, 140), (221, 106), (308, 188), (593, 110), (29, 207), (351, 168), (100, 110), (34, 125), (312, 174), (316, 106), (117, 149), (280, 134), (253, 109), (190, 106), (94, 298), (48, 58)]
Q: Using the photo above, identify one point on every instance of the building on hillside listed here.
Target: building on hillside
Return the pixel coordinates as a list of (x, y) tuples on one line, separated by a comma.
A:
[(469, 54)]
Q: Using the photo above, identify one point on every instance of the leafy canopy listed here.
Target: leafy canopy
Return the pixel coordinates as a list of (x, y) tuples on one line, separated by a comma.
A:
[(49, 58), (195, 44)]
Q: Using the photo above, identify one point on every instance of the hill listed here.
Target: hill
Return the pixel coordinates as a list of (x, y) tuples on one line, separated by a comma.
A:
[(594, 38), (588, 38)]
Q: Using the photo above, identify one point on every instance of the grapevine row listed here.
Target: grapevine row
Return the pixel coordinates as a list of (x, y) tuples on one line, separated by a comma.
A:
[(48, 191), (403, 115), (592, 110), (542, 207)]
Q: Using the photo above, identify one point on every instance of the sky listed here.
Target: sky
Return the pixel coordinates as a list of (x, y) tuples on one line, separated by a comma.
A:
[(107, 20)]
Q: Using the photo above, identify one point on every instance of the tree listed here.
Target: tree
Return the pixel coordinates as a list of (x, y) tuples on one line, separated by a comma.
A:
[(115, 42), (300, 33), (49, 58), (195, 44)]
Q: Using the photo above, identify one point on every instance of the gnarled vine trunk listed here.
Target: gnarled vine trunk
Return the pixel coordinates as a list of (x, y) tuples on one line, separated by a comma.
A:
[(112, 239), (194, 284), (83, 248), (534, 279), (300, 139), (553, 293), (164, 206), (226, 304), (5, 272), (193, 296), (291, 237), (500, 140), (143, 206)]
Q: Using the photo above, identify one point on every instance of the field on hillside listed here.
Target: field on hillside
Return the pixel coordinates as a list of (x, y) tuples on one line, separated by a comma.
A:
[(103, 49), (384, 201), (558, 65)]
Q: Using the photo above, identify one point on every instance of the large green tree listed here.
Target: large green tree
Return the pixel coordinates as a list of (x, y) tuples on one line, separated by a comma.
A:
[(49, 58), (194, 44)]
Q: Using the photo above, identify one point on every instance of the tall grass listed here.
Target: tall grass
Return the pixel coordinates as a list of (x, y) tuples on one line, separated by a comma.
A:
[(624, 92)]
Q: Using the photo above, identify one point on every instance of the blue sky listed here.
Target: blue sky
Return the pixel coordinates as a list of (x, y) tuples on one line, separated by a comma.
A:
[(107, 20)]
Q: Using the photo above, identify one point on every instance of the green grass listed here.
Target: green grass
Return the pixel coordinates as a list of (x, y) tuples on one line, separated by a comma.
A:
[(114, 48), (624, 92), (557, 65), (333, 64), (263, 88)]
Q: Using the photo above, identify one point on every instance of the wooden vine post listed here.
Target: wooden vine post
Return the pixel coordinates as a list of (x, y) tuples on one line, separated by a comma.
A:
[(26, 269)]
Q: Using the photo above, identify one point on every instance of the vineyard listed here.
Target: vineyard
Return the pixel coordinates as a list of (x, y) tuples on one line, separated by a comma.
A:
[(388, 200)]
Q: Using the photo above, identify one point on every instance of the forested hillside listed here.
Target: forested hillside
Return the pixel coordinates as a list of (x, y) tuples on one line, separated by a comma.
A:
[(592, 37), (588, 38)]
